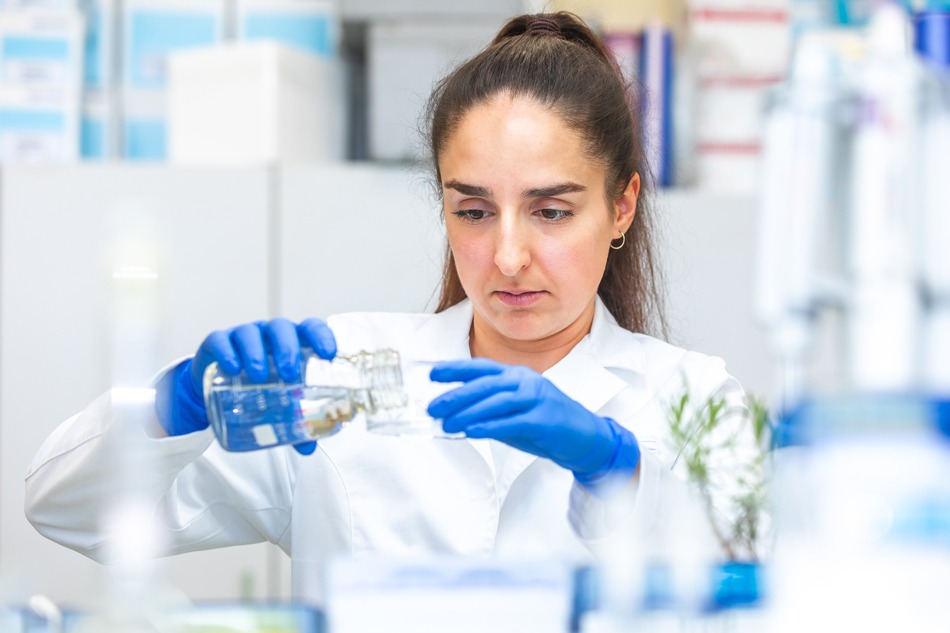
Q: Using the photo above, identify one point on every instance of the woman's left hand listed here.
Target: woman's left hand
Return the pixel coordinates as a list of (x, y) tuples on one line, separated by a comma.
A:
[(522, 408)]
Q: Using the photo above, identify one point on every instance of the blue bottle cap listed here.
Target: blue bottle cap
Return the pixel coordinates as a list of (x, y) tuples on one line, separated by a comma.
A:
[(932, 37)]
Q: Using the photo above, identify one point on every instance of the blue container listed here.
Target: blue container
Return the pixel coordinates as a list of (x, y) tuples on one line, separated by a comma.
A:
[(932, 37), (656, 102)]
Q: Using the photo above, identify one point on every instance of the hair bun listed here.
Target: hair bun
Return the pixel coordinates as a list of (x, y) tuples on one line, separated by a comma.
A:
[(561, 25), (542, 25)]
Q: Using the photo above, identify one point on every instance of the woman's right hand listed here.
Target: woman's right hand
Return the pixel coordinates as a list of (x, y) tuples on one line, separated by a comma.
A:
[(180, 398)]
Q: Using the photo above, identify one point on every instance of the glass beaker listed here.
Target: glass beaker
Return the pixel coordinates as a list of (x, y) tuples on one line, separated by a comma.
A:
[(247, 416)]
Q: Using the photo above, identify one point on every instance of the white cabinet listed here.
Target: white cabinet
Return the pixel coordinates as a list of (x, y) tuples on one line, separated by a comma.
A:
[(57, 248)]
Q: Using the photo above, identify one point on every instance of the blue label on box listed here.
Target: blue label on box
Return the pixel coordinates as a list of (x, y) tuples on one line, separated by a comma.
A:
[(45, 48), (311, 33), (145, 139), (32, 120), (92, 138), (154, 34)]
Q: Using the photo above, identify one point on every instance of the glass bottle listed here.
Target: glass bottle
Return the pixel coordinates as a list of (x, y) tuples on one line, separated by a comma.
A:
[(247, 416)]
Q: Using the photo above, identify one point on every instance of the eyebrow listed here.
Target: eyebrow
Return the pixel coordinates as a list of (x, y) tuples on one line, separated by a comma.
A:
[(540, 192), (468, 190), (554, 190)]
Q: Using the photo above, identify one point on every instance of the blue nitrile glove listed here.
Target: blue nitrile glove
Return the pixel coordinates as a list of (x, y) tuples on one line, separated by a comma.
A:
[(179, 396), (522, 408)]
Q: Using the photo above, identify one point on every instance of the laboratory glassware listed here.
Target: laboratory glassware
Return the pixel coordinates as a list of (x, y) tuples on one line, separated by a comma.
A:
[(248, 416)]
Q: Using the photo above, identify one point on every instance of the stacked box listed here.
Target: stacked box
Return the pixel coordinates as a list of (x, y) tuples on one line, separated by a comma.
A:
[(151, 31), (55, 5), (250, 103), (309, 25), (41, 56), (741, 51), (275, 94)]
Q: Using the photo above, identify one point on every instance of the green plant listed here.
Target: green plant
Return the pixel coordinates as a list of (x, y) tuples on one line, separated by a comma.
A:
[(701, 433)]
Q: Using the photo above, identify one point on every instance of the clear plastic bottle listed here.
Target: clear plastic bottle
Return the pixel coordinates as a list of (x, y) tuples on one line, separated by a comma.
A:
[(247, 416)]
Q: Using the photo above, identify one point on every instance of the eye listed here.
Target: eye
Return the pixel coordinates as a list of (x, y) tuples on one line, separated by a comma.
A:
[(555, 214), (470, 215)]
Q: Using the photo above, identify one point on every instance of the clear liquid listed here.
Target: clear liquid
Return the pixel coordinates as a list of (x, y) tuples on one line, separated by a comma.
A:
[(250, 417)]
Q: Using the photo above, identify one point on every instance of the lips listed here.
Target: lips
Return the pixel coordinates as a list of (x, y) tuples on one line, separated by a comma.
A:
[(518, 298)]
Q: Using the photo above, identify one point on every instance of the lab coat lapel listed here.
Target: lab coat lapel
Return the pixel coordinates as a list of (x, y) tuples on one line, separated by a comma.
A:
[(580, 377), (443, 337), (584, 374), (584, 379)]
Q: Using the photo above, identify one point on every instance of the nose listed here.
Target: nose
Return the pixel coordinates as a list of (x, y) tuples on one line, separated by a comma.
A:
[(512, 247)]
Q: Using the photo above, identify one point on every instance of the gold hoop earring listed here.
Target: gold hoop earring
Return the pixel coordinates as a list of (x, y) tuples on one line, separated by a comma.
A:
[(623, 240)]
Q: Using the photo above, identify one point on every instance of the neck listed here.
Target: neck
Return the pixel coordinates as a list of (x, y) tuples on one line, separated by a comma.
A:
[(537, 354)]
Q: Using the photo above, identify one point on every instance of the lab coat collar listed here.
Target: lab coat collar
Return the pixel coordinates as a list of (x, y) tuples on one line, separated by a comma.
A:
[(584, 374), (612, 345), (443, 337)]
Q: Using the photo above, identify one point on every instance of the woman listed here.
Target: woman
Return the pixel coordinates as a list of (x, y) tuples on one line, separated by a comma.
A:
[(548, 287)]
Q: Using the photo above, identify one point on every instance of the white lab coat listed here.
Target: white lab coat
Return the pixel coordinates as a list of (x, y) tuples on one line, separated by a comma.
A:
[(361, 493)]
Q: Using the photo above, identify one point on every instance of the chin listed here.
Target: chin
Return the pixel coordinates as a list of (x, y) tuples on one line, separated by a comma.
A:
[(523, 326)]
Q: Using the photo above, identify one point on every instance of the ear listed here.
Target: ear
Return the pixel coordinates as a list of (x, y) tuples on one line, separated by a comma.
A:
[(626, 205)]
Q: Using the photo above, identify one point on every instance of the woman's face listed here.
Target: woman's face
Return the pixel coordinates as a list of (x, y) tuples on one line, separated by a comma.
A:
[(527, 220)]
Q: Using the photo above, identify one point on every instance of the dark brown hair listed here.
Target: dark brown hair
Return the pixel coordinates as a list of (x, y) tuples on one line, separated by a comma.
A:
[(556, 60)]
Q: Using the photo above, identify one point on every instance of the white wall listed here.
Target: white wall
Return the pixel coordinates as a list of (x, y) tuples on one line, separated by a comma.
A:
[(357, 237), (244, 244), (708, 253)]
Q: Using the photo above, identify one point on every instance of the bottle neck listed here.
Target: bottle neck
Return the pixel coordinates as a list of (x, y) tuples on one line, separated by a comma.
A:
[(378, 382)]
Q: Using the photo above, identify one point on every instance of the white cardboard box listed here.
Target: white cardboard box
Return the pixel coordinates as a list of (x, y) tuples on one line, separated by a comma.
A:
[(41, 48), (38, 125), (254, 102)]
